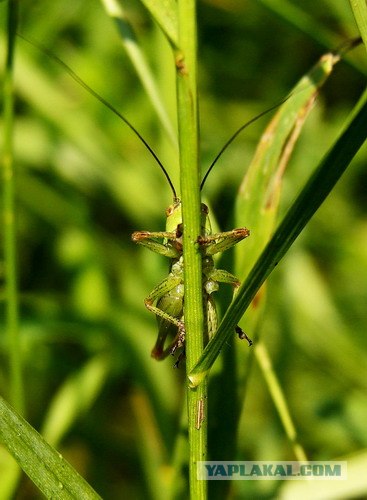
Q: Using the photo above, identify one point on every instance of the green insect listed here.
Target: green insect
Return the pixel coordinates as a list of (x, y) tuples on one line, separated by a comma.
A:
[(167, 299)]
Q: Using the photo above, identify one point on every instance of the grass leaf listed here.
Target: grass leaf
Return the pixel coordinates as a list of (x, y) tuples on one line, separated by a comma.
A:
[(55, 477), (308, 201)]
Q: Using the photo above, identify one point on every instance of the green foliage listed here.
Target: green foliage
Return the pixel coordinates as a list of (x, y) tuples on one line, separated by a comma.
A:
[(84, 183)]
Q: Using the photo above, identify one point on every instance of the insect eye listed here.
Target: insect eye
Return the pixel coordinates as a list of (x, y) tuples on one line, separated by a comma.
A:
[(204, 209), (169, 210)]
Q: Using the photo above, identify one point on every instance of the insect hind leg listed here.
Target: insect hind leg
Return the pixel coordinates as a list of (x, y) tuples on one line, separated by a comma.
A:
[(157, 293), (242, 335)]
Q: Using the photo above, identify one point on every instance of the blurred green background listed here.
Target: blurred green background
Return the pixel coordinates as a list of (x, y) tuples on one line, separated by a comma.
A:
[(84, 183)]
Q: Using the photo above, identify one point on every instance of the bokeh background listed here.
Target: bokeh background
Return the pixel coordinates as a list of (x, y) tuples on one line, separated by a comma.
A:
[(84, 183)]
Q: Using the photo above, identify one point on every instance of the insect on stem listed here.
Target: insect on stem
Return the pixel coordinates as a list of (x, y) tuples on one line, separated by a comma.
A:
[(166, 300)]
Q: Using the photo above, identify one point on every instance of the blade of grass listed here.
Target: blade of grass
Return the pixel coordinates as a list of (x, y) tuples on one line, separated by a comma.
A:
[(152, 453), (303, 20), (258, 199), (75, 397), (308, 201), (256, 207), (55, 477), (10, 256), (140, 64), (165, 14), (278, 397), (306, 23)]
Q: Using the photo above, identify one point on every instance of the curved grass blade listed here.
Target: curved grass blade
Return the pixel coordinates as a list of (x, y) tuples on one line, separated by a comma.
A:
[(256, 207), (303, 208), (164, 12), (259, 193), (305, 22), (128, 38), (75, 397), (55, 477)]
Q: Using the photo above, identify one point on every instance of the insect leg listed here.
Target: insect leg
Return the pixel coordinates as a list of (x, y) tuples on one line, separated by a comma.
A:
[(220, 242), (222, 276), (149, 240), (168, 296), (157, 293), (211, 325), (242, 335)]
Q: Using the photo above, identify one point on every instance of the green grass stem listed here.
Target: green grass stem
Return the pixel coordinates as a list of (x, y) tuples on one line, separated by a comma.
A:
[(279, 399), (10, 257), (186, 60)]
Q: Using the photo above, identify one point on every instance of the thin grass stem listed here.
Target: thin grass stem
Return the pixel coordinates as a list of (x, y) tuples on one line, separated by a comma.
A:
[(279, 400), (186, 60), (10, 257)]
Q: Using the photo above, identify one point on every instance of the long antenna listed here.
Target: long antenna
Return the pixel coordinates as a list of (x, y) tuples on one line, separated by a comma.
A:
[(95, 94), (341, 50), (233, 137)]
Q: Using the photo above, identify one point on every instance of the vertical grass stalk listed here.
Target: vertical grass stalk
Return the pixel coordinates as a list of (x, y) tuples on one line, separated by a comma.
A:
[(186, 61), (278, 397), (10, 261)]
